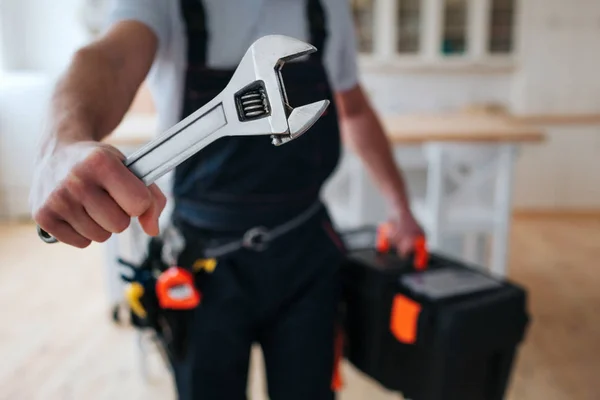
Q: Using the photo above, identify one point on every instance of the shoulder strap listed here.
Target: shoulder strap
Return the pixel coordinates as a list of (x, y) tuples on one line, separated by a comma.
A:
[(317, 23), (194, 17)]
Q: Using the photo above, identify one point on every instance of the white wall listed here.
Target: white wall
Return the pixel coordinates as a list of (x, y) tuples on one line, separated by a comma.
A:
[(560, 58), (55, 32), (564, 173), (11, 33), (38, 38), (430, 92), (559, 74), (40, 34), (22, 111)]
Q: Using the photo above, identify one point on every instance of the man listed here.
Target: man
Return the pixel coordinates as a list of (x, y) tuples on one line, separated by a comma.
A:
[(284, 296)]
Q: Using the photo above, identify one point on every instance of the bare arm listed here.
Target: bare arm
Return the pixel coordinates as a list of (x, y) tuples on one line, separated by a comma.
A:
[(81, 190), (364, 134), (99, 85)]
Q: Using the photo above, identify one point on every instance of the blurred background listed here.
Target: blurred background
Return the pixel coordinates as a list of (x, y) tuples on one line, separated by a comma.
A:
[(493, 108)]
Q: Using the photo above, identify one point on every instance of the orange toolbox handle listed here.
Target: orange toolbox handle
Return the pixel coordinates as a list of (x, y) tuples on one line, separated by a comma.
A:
[(383, 245)]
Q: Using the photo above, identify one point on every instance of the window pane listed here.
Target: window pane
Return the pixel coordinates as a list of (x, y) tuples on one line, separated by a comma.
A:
[(409, 25), (362, 11), (501, 26), (455, 27)]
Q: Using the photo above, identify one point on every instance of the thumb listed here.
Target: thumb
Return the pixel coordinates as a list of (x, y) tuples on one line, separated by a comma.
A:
[(149, 220)]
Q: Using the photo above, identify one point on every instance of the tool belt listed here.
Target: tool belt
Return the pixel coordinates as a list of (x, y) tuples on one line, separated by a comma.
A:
[(163, 290)]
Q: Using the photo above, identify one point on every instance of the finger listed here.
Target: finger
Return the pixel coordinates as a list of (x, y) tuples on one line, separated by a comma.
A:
[(75, 215), (120, 183), (62, 231), (150, 219), (87, 227), (159, 196), (405, 246), (105, 211)]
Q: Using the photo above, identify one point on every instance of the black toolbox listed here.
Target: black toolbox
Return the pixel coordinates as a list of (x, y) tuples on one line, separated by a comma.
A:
[(448, 332)]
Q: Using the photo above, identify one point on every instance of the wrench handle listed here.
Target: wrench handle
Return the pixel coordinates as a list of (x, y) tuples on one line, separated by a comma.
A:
[(170, 149), (179, 143)]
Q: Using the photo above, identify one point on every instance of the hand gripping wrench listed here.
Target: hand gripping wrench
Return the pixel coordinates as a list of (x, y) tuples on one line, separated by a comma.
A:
[(253, 103)]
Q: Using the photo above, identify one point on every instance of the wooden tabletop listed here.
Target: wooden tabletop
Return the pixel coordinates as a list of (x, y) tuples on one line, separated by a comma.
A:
[(138, 129), (458, 127), (134, 131)]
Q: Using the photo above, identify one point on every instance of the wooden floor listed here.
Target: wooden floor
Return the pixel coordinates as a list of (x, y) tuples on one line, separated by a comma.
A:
[(57, 340)]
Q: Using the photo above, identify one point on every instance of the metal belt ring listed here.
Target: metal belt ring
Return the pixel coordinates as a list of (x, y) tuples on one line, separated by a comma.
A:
[(256, 239)]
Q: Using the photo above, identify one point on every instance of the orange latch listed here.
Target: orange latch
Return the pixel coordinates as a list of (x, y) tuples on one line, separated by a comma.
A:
[(404, 319)]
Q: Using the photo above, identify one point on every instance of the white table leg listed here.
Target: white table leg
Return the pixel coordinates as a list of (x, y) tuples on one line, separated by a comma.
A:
[(503, 206), (435, 192), (470, 248), (113, 280), (142, 355)]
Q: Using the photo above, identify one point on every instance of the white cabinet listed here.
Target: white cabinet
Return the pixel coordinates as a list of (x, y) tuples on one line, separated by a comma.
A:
[(436, 32)]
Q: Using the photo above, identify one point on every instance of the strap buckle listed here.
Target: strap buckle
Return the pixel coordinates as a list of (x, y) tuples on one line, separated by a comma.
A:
[(256, 239)]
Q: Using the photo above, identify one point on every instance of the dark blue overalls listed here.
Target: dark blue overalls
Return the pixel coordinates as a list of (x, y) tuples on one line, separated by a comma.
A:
[(286, 296)]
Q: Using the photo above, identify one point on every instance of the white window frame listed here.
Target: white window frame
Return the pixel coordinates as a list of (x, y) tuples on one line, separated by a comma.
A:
[(385, 55)]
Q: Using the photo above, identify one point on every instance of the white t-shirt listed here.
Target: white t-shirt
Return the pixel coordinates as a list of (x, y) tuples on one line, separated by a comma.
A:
[(233, 25)]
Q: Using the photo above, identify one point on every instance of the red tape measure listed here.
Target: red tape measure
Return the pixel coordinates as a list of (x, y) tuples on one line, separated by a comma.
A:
[(175, 290)]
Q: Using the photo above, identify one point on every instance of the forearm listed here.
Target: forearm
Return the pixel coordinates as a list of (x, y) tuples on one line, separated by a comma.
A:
[(96, 90), (364, 134), (81, 108)]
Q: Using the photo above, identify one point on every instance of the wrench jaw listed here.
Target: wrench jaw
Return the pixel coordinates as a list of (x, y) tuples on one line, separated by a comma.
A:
[(261, 66), (301, 119), (275, 50)]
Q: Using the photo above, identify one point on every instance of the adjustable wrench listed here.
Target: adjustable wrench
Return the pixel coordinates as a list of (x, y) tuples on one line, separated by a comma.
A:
[(253, 103)]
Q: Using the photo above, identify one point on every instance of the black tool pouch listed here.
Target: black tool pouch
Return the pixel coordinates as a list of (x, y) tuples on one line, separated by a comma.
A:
[(145, 275), (171, 326)]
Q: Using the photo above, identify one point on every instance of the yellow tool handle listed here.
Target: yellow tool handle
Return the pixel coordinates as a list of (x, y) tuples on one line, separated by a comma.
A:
[(207, 264), (134, 293)]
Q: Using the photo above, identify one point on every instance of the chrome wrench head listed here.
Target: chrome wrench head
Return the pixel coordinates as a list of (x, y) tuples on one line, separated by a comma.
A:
[(259, 74)]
